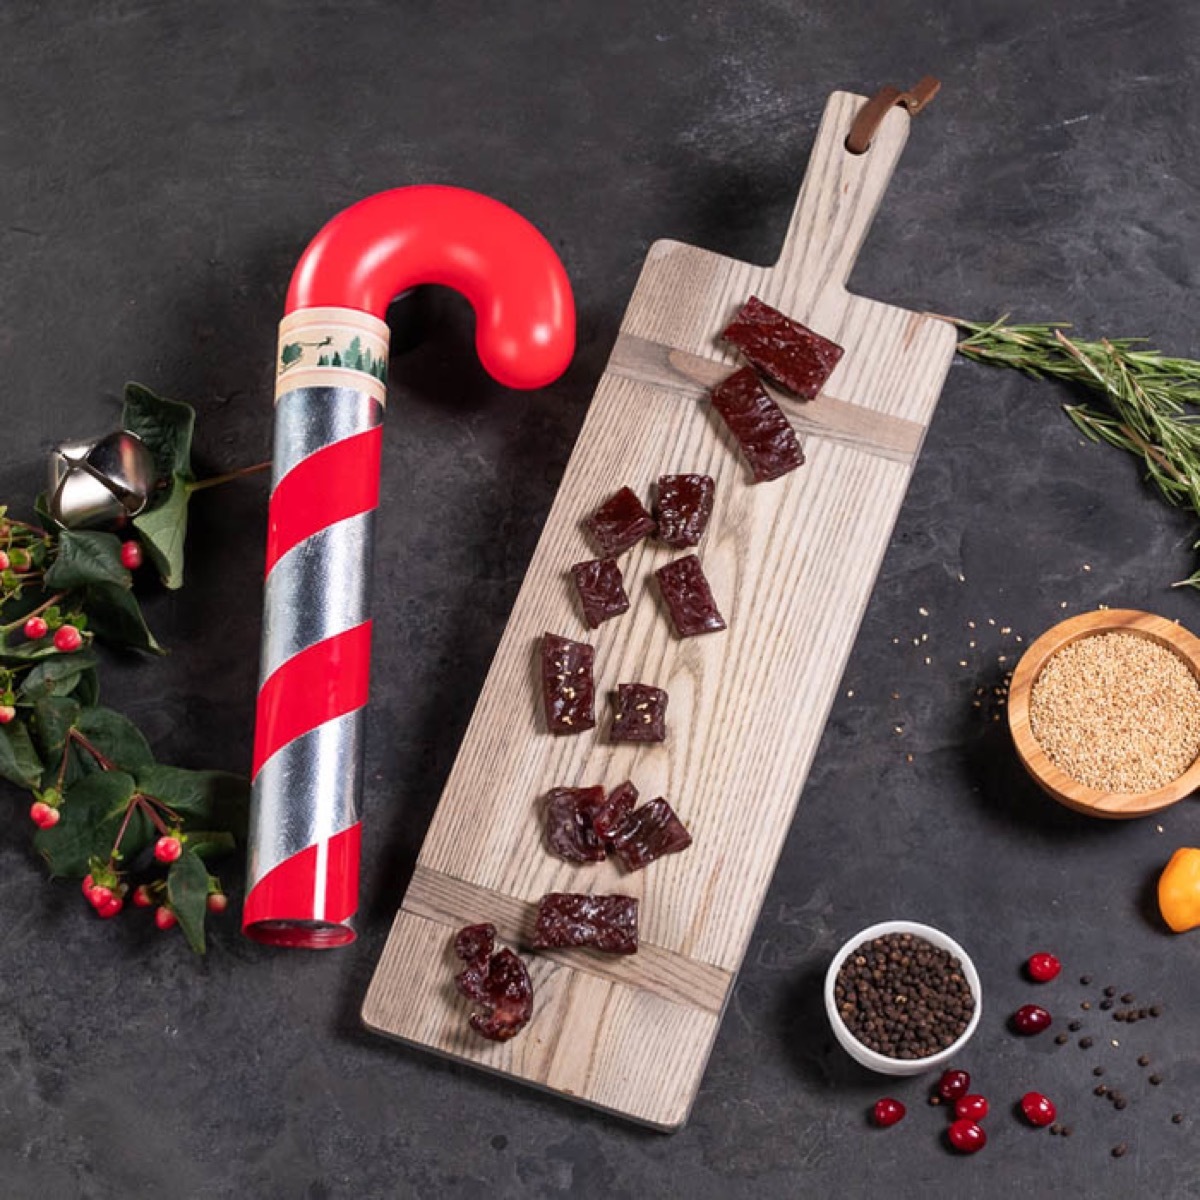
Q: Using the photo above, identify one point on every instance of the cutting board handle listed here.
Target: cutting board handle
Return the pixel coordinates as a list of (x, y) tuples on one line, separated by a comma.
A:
[(839, 197)]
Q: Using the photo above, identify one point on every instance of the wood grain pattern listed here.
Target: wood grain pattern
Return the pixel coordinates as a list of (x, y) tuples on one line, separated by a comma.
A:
[(791, 565), (1051, 778)]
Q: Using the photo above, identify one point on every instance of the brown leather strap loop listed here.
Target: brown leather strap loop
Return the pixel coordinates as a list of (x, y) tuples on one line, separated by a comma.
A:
[(858, 141)]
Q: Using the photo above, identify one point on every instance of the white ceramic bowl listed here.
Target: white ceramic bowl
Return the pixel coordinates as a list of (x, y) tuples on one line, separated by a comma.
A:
[(880, 1062)]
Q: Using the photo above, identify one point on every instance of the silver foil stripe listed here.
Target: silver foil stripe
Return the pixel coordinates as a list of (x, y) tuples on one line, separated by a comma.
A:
[(326, 764), (319, 588), (309, 419)]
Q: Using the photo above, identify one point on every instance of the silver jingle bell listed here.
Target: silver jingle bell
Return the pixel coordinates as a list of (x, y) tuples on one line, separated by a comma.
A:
[(102, 482)]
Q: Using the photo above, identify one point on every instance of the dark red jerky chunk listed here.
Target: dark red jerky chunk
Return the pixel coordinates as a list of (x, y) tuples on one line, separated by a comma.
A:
[(567, 687), (648, 833), (475, 943), (620, 522), (499, 985), (765, 435), (688, 597), (786, 351), (601, 590), (685, 502), (616, 807), (608, 923), (570, 832), (640, 714)]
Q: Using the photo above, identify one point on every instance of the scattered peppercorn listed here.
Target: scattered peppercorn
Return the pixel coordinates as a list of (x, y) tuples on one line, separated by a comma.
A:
[(1100, 1090), (1106, 1005), (1110, 991), (1177, 1118), (1085, 979), (1074, 1026), (1119, 1101), (1086, 1006), (1061, 1039), (1097, 1070), (1127, 998), (1119, 1150), (1085, 1043), (1156, 1080), (1156, 1010), (1143, 1060)]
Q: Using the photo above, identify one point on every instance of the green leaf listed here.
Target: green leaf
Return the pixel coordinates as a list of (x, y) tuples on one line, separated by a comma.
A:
[(87, 691), (53, 717), (19, 761), (214, 797), (211, 843), (187, 890), (92, 812), (116, 737), (115, 616), (166, 426), (87, 556), (56, 676), (163, 529)]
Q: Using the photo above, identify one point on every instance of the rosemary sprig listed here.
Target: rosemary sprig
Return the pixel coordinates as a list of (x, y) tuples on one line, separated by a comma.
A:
[(1151, 401)]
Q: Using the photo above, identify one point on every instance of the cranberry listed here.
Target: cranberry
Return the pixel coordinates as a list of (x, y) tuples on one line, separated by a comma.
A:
[(886, 1111), (43, 816), (98, 896), (1041, 968), (142, 897), (5, 561), (110, 909), (7, 713), (1038, 1109), (131, 555), (1030, 1019), (36, 628), (168, 848), (218, 902), (164, 918), (973, 1107), (953, 1084), (966, 1136), (68, 639)]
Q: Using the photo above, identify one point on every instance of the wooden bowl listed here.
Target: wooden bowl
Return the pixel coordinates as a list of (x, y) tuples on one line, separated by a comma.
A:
[(1057, 783)]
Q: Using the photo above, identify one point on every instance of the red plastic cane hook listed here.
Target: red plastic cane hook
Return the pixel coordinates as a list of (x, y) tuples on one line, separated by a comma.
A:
[(382, 246)]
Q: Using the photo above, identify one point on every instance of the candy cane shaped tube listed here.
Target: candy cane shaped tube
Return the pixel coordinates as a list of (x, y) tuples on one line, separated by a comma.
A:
[(330, 391)]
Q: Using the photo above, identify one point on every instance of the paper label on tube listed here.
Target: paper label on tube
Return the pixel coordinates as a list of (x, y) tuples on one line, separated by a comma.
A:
[(332, 347)]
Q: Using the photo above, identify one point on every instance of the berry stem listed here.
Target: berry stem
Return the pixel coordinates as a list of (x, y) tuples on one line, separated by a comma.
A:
[(216, 480), (37, 612)]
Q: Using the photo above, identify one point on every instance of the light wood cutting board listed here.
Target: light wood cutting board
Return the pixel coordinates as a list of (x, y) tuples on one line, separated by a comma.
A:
[(791, 563)]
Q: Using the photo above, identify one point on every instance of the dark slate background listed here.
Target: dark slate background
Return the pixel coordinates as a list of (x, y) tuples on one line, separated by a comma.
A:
[(163, 167)]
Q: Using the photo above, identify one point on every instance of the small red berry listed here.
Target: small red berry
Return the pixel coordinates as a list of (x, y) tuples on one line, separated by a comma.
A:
[(142, 897), (953, 1084), (36, 628), (110, 909), (164, 918), (131, 555), (43, 816), (1038, 1109), (98, 895), (966, 1136), (974, 1107), (67, 638), (7, 713), (5, 561), (1030, 1019), (1041, 968), (168, 848), (87, 885), (886, 1111), (218, 902)]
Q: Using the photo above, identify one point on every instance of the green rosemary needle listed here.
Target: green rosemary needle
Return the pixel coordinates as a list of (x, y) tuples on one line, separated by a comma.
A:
[(1151, 402)]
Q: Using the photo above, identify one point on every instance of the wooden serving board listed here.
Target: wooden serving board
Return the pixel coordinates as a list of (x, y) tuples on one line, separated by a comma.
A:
[(791, 563)]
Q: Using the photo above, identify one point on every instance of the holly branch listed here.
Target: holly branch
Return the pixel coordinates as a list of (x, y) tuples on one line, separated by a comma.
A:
[(130, 828)]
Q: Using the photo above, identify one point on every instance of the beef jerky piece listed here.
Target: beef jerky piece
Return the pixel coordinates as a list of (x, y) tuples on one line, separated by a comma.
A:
[(620, 522), (608, 923), (616, 807), (786, 351), (640, 714), (685, 503), (689, 598), (765, 435), (648, 833), (570, 830), (601, 590), (498, 983), (567, 688)]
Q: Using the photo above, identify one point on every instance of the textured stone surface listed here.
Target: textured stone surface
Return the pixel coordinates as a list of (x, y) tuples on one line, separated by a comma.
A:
[(163, 167)]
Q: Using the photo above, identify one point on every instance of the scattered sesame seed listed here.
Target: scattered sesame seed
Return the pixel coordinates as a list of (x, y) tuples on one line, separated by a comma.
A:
[(897, 728), (850, 693), (1006, 629), (923, 611), (970, 624), (928, 660), (962, 662), (1087, 566)]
